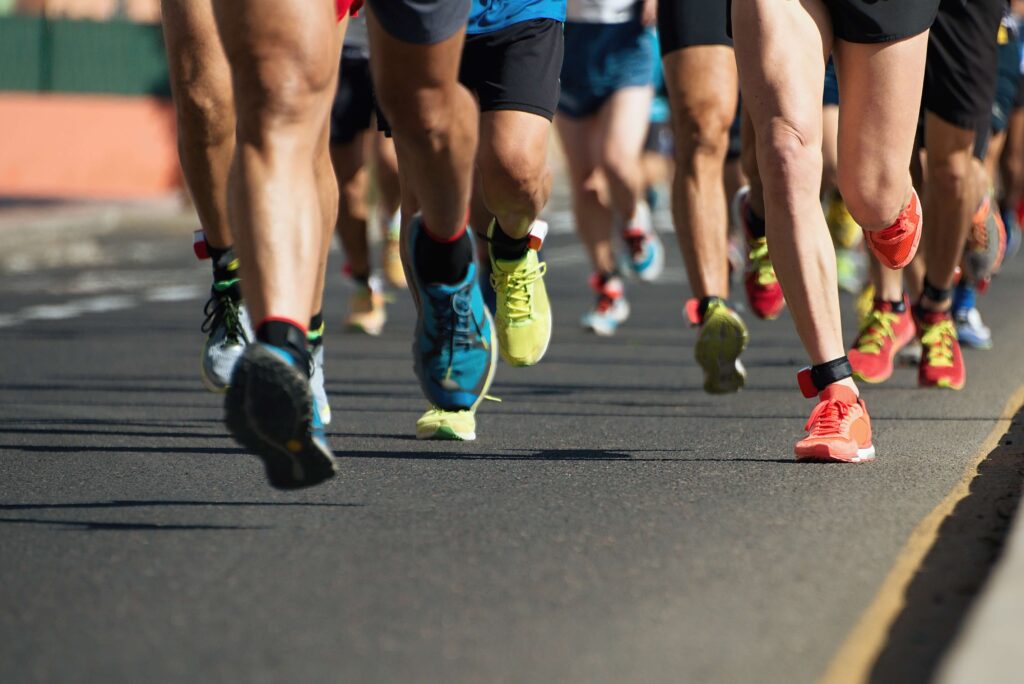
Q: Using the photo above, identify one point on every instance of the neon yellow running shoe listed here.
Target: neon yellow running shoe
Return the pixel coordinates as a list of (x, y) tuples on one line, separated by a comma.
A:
[(722, 339), (437, 423), (523, 313), (865, 304), (846, 234)]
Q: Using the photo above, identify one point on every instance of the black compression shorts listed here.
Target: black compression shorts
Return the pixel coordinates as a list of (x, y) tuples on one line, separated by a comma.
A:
[(354, 105), (515, 68), (689, 23), (879, 21)]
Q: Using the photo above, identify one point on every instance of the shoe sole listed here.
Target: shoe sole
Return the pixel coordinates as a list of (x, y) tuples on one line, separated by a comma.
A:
[(825, 455), (718, 350), (268, 410), (943, 384), (445, 433), (365, 330)]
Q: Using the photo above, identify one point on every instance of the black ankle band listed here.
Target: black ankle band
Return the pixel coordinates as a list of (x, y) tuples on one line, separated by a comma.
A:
[(824, 374), (816, 378), (934, 293)]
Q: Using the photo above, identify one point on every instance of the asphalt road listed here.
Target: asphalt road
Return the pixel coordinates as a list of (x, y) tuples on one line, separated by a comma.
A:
[(612, 522)]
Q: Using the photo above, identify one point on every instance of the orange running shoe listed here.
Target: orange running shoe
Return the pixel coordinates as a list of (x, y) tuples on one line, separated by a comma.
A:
[(764, 293), (896, 245), (942, 364), (839, 429), (882, 335)]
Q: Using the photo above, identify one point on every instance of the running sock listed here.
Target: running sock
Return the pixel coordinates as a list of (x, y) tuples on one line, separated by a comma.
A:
[(225, 263), (896, 306), (755, 223), (705, 302), (814, 379), (288, 335), (361, 279), (934, 294), (963, 297), (443, 262), (316, 328), (508, 248)]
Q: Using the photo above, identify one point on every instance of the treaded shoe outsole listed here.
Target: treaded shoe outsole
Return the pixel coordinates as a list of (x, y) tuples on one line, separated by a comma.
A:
[(718, 349), (268, 410)]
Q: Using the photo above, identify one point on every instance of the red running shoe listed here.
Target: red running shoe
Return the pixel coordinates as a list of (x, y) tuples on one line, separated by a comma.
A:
[(896, 245), (763, 290), (882, 335), (839, 429), (942, 364)]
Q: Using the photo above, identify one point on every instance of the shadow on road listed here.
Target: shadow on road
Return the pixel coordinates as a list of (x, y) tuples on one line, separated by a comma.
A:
[(957, 566)]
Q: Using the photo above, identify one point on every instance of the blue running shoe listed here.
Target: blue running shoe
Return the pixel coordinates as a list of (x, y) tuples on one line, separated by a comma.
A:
[(455, 351), (971, 330), (646, 255), (269, 410)]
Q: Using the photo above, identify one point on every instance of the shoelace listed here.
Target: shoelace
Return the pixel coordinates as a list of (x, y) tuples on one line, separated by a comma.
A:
[(762, 263), (222, 308), (827, 418), (453, 319), (877, 327), (518, 293), (938, 340)]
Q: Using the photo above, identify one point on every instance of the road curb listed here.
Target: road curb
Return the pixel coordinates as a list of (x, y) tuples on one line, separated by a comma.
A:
[(988, 648)]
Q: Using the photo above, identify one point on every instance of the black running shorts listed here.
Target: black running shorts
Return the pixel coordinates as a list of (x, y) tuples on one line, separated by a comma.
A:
[(354, 105), (963, 59), (515, 68), (880, 21), (689, 23), (422, 22)]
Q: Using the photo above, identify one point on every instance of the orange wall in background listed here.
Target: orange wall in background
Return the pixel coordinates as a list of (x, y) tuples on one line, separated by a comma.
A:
[(87, 146)]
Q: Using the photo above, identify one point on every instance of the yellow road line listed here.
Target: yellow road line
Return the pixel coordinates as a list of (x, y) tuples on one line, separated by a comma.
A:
[(853, 662)]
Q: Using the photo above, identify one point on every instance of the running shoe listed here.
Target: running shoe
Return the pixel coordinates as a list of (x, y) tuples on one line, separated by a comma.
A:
[(882, 335), (646, 253), (846, 234), (721, 340), (865, 303), (228, 331), (896, 245), (523, 318), (455, 350), (1013, 234), (436, 423), (270, 411), (316, 378), (611, 308), (985, 246), (839, 429), (764, 293), (848, 270), (366, 309), (971, 330), (942, 364), (391, 255)]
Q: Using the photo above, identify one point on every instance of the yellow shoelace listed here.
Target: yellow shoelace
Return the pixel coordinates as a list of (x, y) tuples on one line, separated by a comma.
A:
[(938, 341), (762, 263), (876, 328), (518, 293)]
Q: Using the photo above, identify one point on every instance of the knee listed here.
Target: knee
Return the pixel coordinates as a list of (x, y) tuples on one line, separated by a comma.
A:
[(874, 198), (515, 180), (285, 87), (205, 110), (702, 131), (793, 153), (422, 113)]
